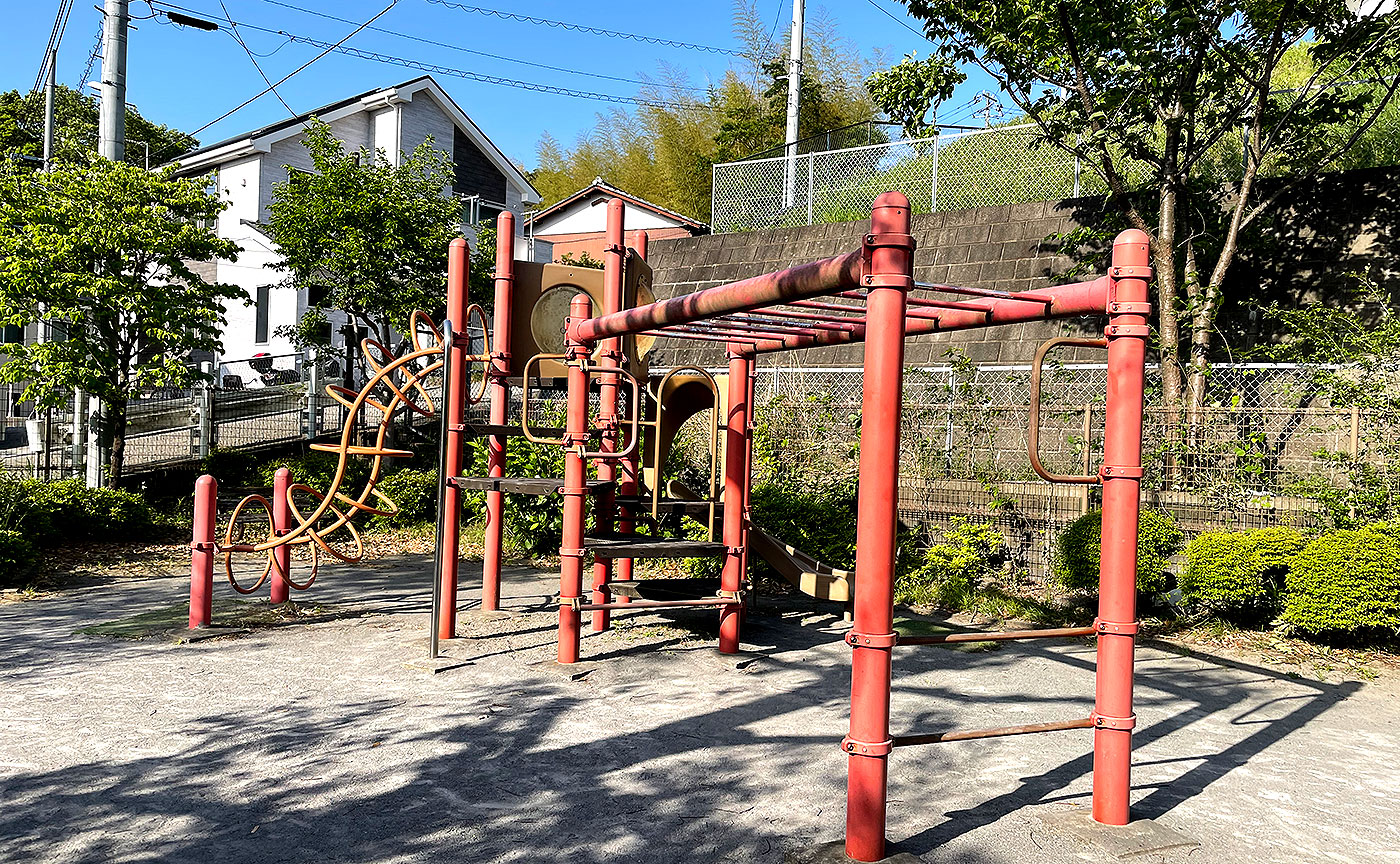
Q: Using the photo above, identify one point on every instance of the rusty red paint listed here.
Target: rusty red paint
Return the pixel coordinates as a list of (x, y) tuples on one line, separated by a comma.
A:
[(457, 253), (202, 546), (281, 524), (610, 357), (574, 490), (500, 401)]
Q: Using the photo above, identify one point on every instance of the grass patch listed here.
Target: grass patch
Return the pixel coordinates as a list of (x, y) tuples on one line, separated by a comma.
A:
[(229, 616)]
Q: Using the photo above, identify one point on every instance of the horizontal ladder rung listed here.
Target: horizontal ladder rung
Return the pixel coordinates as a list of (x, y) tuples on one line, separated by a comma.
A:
[(1000, 732), (1003, 636), (660, 604)]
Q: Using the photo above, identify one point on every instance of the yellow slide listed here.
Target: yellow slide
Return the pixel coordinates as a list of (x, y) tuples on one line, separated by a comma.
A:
[(806, 573)]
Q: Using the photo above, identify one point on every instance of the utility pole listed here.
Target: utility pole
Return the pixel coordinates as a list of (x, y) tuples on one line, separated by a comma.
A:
[(111, 145), (793, 104), (48, 109)]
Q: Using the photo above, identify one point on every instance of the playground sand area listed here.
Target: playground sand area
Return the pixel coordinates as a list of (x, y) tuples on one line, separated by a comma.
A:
[(324, 735)]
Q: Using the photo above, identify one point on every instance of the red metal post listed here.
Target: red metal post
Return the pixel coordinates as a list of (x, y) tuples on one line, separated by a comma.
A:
[(736, 433), (630, 471), (202, 544), (500, 399), (609, 357), (575, 488), (1122, 476), (457, 253), (281, 526), (889, 276), (748, 458)]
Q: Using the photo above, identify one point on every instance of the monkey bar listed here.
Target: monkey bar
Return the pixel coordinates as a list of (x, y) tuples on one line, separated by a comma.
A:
[(811, 305)]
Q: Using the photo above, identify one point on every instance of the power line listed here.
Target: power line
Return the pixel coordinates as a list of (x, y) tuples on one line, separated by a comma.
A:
[(233, 31), (60, 24), (900, 21), (583, 28), (288, 76), (423, 66), (438, 44)]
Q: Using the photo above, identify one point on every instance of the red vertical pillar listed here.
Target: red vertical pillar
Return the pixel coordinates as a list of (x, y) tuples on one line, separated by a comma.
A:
[(1122, 477), (456, 407), (748, 462), (202, 545), (575, 488), (736, 431), (610, 357), (281, 526), (500, 400), (629, 470), (889, 276)]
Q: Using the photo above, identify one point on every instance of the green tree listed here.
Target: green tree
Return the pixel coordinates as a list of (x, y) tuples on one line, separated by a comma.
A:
[(75, 129), (912, 90), (365, 236), (1156, 98), (103, 251)]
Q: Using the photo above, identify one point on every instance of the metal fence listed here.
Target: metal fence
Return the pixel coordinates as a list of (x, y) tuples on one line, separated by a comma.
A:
[(949, 171), (1269, 431)]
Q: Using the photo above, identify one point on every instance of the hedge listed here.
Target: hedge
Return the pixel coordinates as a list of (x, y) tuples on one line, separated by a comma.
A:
[(1347, 582), (1239, 575), (1076, 563)]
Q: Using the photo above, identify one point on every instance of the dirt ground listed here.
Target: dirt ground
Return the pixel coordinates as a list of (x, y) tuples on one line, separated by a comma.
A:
[(331, 742)]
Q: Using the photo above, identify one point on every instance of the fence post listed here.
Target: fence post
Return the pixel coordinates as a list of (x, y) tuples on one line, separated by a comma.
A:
[(202, 548), (204, 412), (811, 186), (933, 182), (313, 394)]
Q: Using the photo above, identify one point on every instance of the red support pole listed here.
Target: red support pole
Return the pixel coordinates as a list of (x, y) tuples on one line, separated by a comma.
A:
[(748, 460), (575, 488), (1122, 477), (281, 526), (610, 357), (457, 253), (889, 276), (630, 471), (202, 544), (736, 433), (500, 399)]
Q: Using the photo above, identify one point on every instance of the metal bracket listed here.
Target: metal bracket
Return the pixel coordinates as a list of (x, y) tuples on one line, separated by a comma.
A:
[(613, 247), (734, 550), (1126, 330), (1134, 271), (871, 640), (572, 553), (1116, 628), (204, 546), (888, 280), (1122, 723), (1133, 472), (876, 749), (1129, 307), (731, 596), (889, 241), (574, 603)]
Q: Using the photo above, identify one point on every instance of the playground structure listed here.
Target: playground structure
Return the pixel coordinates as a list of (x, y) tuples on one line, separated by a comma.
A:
[(863, 296)]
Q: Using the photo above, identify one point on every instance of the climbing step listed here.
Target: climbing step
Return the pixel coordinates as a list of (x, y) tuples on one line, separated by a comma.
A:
[(640, 546), (665, 589), (509, 430), (669, 506), (525, 485)]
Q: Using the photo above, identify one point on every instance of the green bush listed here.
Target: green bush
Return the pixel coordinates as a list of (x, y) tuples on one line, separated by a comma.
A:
[(64, 511), (1347, 583), (952, 571), (1076, 562), (1239, 574), (416, 494), (316, 468), (231, 467), (17, 557)]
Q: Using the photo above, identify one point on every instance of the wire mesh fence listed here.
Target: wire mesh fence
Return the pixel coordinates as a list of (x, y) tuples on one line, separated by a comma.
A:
[(950, 171)]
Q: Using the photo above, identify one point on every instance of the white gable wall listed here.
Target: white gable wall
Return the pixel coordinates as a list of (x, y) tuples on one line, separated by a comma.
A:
[(590, 214)]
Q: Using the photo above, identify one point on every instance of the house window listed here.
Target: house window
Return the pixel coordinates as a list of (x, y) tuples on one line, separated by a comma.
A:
[(12, 333), (264, 295)]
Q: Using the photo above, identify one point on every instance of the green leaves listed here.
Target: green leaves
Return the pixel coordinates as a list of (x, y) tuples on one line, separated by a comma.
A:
[(367, 236), (909, 91)]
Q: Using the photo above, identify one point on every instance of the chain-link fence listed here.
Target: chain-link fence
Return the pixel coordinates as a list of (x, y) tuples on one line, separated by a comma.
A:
[(1269, 434), (950, 171)]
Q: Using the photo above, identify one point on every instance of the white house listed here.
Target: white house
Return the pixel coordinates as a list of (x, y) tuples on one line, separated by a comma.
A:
[(394, 120), (577, 225)]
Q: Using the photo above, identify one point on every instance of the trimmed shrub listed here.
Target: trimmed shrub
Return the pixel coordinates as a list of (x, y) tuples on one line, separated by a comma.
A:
[(1347, 583), (952, 570), (66, 510), (232, 468), (1239, 574), (415, 492), (316, 468), (17, 557), (1076, 562)]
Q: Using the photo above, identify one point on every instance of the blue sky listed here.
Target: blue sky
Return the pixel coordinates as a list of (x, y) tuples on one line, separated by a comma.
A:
[(185, 77)]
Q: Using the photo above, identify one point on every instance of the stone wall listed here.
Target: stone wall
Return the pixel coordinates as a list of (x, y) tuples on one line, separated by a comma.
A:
[(1338, 224)]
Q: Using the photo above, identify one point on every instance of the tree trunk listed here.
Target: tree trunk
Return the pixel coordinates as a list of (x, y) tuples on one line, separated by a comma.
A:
[(116, 422), (1168, 328)]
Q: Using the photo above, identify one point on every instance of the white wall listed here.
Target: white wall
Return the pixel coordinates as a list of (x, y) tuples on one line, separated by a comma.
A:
[(591, 214)]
